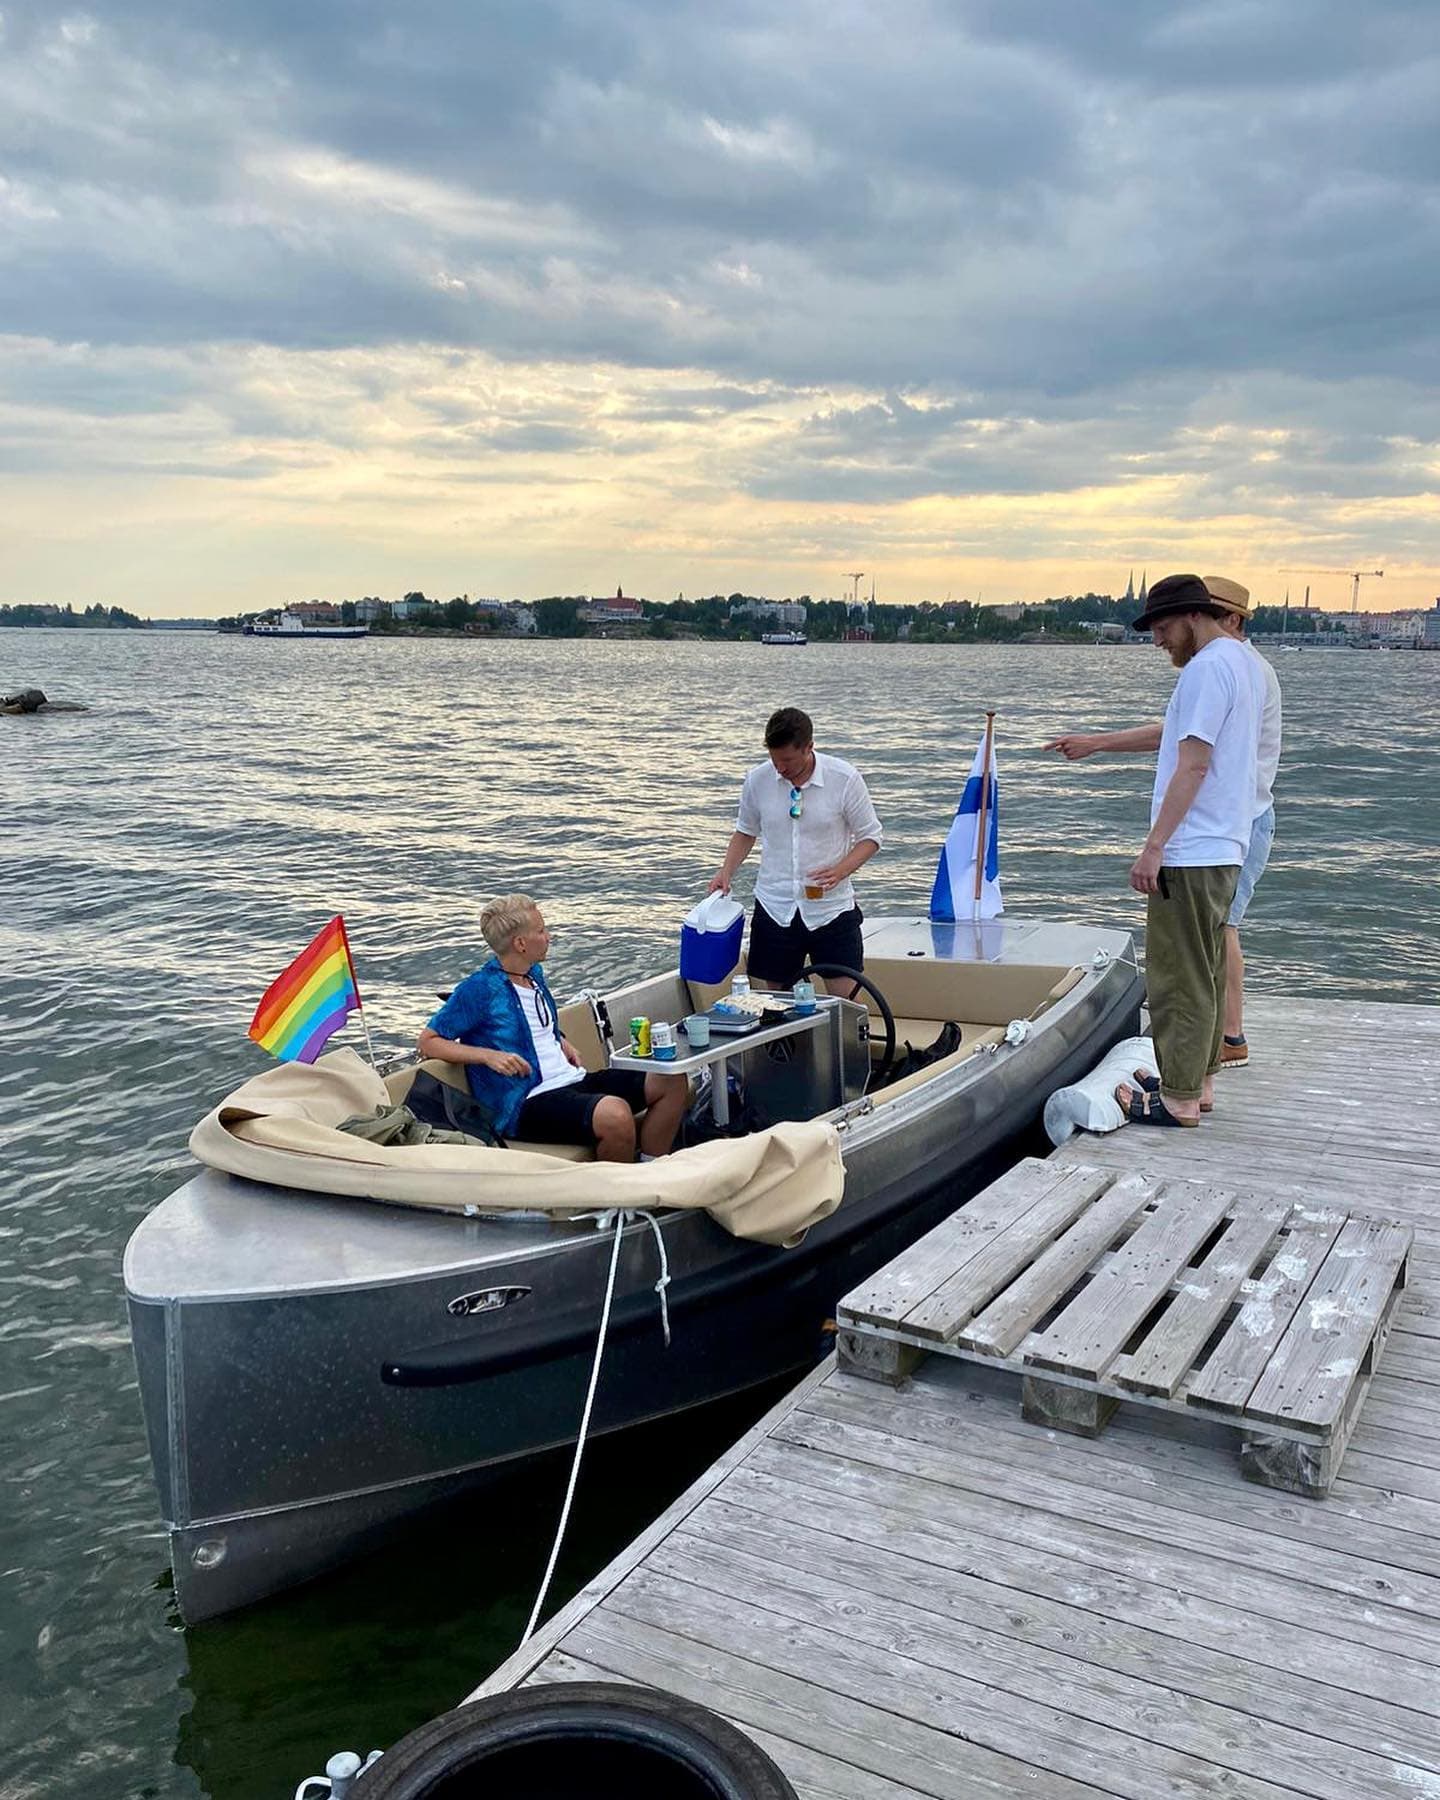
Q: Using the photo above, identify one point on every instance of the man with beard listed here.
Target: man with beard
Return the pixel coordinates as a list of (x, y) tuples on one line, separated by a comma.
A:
[(1201, 814), (1075, 745)]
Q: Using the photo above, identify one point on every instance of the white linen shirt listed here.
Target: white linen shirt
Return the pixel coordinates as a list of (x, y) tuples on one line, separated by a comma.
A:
[(1268, 763), (836, 814)]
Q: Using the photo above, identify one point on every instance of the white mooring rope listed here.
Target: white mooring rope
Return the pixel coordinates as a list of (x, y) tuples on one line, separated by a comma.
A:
[(621, 1218), (584, 1428)]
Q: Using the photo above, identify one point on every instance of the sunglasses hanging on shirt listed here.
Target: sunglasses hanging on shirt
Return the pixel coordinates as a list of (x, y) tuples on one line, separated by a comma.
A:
[(797, 802)]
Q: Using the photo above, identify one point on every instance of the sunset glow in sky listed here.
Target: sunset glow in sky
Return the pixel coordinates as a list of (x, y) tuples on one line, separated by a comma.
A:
[(995, 298)]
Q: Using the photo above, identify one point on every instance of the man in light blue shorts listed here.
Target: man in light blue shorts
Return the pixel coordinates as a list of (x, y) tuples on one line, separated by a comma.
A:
[(1235, 1051)]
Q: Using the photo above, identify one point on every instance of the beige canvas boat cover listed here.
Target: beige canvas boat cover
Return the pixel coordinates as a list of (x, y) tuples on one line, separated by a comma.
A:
[(280, 1127)]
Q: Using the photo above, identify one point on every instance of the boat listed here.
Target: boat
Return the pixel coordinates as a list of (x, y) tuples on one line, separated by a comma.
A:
[(784, 637), (288, 625), (327, 1344)]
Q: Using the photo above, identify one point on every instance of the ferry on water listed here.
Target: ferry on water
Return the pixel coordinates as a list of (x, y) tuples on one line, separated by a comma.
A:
[(784, 637), (289, 626)]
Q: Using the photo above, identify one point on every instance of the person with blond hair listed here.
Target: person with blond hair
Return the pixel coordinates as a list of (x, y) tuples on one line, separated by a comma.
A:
[(502, 1026)]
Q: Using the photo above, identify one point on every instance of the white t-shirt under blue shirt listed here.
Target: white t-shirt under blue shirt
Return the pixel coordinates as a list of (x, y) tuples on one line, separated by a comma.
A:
[(556, 1069), (1218, 698)]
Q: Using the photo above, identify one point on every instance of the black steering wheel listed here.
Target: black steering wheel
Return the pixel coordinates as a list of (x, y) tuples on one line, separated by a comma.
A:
[(838, 972)]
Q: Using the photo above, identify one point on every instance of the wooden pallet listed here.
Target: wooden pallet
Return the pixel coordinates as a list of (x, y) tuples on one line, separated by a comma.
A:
[(1097, 1288)]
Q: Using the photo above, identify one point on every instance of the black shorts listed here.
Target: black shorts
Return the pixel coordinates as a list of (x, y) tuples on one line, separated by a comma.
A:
[(562, 1115), (779, 952)]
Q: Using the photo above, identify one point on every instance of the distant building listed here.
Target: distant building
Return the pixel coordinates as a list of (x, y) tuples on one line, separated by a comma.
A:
[(1008, 612), (784, 612), (525, 621), (616, 609), (315, 612), (367, 612), (1402, 630)]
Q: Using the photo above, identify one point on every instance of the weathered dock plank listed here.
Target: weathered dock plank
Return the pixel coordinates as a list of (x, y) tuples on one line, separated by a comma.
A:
[(916, 1593)]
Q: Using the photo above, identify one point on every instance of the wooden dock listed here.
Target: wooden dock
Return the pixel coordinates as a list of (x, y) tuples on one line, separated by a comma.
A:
[(920, 1593)]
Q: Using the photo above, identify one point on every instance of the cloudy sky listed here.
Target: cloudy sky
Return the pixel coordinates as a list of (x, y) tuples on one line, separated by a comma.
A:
[(995, 297)]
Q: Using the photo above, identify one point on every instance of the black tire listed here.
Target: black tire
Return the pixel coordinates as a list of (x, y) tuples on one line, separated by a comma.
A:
[(574, 1738), (838, 972)]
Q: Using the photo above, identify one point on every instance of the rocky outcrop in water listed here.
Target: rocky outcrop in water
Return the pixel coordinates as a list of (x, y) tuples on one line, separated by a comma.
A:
[(32, 700)]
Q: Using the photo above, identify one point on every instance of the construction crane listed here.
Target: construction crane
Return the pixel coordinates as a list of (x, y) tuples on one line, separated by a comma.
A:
[(1356, 576), (853, 577)]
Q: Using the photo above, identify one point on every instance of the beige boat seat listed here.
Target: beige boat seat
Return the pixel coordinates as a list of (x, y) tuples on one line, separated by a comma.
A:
[(577, 1021), (455, 1076), (924, 992)]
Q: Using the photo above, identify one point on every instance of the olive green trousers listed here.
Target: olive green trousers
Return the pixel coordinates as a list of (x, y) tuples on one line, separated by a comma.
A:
[(1185, 974)]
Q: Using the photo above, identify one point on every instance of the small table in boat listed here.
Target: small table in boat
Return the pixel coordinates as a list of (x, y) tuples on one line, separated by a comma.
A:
[(722, 1047), (1246, 1308)]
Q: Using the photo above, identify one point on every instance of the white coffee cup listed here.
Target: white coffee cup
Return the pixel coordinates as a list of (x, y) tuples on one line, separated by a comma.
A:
[(697, 1031)]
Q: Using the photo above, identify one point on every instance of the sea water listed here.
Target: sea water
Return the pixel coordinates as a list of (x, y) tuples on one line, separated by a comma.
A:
[(169, 851)]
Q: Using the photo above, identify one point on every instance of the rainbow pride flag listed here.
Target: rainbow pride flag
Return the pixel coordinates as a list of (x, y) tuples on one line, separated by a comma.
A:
[(311, 1000)]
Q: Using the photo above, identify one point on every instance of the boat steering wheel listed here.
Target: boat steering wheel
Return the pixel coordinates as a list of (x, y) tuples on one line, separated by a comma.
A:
[(838, 972)]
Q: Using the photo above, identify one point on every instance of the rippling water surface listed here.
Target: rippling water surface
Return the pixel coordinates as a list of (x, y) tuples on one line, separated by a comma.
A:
[(170, 850)]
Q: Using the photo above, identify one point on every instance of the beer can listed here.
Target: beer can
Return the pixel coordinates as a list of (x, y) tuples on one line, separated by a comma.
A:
[(639, 1037)]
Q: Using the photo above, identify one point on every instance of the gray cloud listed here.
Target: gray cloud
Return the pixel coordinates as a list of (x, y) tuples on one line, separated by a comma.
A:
[(1061, 241)]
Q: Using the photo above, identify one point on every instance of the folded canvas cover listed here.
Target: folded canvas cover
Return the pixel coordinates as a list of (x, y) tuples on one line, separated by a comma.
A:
[(281, 1127)]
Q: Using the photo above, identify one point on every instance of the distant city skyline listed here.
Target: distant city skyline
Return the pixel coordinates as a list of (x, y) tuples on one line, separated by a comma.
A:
[(994, 300)]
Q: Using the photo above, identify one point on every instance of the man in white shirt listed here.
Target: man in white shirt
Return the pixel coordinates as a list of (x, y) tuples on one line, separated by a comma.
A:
[(1235, 1050), (1235, 600), (1201, 813), (814, 820)]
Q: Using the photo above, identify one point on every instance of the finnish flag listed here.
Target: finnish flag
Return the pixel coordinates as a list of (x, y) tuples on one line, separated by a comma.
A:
[(954, 896)]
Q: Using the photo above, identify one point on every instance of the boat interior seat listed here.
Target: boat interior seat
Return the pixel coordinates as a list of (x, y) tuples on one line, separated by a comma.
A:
[(920, 1034), (926, 993), (984, 1034), (455, 1075)]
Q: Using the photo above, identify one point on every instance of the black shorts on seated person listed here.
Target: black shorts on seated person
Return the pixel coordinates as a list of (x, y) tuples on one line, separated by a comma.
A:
[(779, 952), (563, 1115)]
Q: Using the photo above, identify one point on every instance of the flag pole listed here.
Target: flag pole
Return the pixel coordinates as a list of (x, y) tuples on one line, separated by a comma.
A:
[(365, 1027), (359, 1003), (981, 838)]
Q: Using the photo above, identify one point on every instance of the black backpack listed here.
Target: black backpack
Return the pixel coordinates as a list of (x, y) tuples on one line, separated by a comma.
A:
[(945, 1045), (435, 1102)]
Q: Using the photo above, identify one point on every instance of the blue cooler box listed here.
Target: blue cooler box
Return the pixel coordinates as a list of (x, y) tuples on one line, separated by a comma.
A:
[(711, 949)]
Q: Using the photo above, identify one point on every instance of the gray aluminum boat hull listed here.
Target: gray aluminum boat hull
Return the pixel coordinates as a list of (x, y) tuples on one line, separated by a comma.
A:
[(309, 1377)]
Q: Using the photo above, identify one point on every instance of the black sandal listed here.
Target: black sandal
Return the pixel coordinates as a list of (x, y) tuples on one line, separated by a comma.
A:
[(1150, 1084), (1147, 1108)]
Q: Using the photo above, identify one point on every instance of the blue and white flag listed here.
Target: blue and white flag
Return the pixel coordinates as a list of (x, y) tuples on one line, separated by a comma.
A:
[(954, 896)]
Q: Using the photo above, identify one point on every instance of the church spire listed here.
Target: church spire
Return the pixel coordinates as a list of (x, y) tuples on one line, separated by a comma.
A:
[(1130, 586), (1144, 585)]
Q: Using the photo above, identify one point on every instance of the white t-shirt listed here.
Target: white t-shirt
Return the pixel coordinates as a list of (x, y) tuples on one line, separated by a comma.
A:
[(836, 813), (1268, 761), (556, 1069), (1217, 698)]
